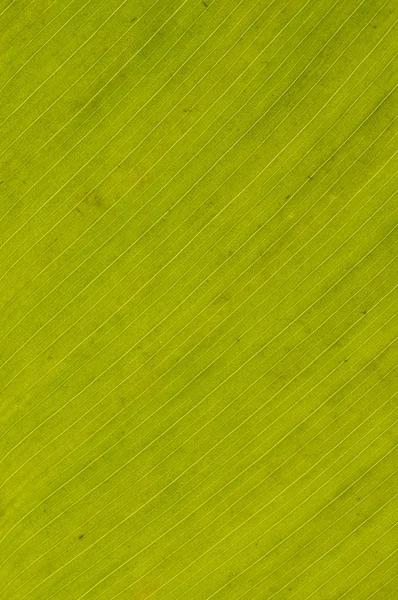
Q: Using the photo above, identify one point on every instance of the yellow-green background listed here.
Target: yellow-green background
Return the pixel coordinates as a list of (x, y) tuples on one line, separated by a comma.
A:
[(198, 226)]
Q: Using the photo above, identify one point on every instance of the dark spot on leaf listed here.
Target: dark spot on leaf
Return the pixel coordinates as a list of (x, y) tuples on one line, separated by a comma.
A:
[(204, 4), (133, 19), (81, 536), (91, 200), (364, 312)]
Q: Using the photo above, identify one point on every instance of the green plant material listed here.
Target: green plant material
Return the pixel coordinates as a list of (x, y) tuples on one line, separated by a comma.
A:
[(198, 299)]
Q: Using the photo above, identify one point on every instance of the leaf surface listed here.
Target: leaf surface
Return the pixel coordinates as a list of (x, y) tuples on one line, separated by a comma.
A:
[(198, 227)]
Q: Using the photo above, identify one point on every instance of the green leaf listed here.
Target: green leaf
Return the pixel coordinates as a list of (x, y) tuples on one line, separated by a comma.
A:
[(198, 299)]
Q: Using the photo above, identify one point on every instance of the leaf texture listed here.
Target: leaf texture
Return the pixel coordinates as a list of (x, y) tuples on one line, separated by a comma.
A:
[(198, 227)]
